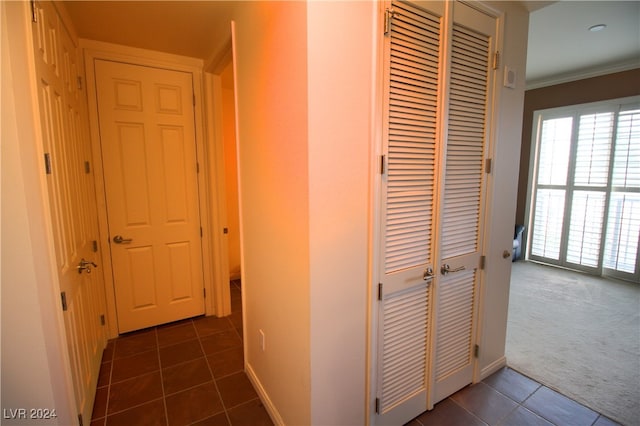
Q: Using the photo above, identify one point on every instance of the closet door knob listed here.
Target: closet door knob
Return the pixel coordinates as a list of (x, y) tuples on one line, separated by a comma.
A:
[(446, 269)]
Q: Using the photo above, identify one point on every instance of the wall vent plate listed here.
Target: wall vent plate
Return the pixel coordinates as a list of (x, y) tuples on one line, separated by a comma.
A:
[(510, 77)]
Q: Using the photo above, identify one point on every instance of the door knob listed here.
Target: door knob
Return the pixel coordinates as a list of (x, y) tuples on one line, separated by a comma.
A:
[(445, 269), (119, 240), (85, 266), (428, 274)]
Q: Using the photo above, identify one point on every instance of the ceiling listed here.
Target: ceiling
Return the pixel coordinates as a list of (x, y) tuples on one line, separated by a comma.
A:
[(560, 46), (198, 29)]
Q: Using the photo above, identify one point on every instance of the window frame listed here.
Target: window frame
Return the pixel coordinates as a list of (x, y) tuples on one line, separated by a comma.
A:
[(575, 112)]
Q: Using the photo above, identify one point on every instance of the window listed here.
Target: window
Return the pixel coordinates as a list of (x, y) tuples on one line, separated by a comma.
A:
[(585, 207)]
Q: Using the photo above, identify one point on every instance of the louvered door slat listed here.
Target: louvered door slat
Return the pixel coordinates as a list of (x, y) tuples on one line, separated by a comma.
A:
[(405, 345), (400, 94), (412, 128), (455, 320), (465, 156)]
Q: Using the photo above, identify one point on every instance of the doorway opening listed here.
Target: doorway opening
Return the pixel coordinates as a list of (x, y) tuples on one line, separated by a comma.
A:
[(572, 329), (230, 156)]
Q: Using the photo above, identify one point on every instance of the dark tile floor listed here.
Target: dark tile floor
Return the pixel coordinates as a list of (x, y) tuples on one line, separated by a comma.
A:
[(184, 373), (508, 398), (191, 373)]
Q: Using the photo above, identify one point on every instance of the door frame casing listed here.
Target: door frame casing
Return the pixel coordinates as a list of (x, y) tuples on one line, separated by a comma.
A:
[(94, 50)]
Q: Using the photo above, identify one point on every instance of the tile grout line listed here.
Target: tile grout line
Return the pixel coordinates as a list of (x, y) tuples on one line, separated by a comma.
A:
[(124, 410), (106, 407), (215, 383), (500, 422), (465, 409), (103, 421), (519, 404), (164, 396)]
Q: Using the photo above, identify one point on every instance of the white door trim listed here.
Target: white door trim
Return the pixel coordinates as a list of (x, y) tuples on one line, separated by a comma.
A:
[(98, 50), (217, 194)]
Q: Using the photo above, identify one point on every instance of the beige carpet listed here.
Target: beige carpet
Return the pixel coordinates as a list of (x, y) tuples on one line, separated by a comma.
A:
[(577, 334)]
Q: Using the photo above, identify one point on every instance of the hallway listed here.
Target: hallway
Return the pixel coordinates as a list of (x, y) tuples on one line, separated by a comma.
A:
[(190, 373), (184, 373)]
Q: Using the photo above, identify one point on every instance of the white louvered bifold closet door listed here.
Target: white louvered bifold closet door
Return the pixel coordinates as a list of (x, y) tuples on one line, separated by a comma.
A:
[(411, 89), (462, 198)]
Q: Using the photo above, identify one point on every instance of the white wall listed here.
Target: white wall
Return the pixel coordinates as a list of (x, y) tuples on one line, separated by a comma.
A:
[(306, 134), (340, 60), (271, 70), (503, 188), (305, 143), (35, 372)]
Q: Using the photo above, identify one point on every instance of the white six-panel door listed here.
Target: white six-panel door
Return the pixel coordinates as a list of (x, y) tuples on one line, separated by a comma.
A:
[(147, 136), (72, 199)]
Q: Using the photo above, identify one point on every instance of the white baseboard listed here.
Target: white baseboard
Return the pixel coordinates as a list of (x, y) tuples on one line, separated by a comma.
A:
[(268, 404), (493, 367)]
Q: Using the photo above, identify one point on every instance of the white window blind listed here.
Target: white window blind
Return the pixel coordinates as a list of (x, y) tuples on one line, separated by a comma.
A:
[(586, 206), (623, 224), (555, 142), (590, 178), (585, 227), (593, 150), (549, 214)]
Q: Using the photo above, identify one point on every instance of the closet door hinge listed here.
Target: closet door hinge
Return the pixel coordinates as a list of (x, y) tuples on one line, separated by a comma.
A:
[(382, 161), (103, 321), (34, 12), (483, 261), (487, 165), (496, 60), (388, 16), (377, 405), (379, 291), (204, 292), (47, 163), (476, 351), (63, 298)]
